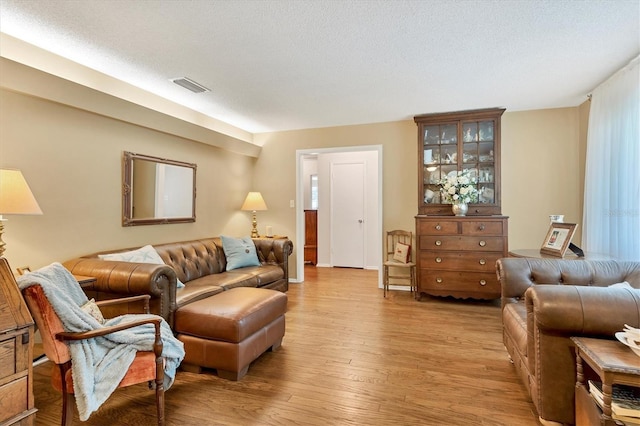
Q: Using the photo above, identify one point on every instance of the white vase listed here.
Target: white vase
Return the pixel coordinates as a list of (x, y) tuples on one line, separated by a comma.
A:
[(460, 209)]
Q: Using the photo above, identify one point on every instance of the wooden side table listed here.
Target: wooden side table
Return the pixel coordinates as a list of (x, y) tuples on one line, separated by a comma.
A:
[(85, 282), (613, 363), (535, 253)]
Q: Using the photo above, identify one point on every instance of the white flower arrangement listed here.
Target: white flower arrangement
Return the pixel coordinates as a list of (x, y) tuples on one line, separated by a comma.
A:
[(459, 188)]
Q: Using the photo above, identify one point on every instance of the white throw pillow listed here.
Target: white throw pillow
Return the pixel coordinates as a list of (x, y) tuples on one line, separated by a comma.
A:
[(146, 254), (623, 284), (92, 309), (402, 253)]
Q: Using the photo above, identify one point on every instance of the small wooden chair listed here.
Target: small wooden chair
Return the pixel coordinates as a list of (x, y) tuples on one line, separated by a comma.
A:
[(391, 245), (146, 367)]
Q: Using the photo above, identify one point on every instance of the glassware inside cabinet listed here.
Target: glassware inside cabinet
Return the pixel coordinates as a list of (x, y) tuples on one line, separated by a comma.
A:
[(449, 154), (485, 150), (486, 130), (473, 172), (470, 132), (431, 135), (485, 175), (449, 134), (486, 193), (470, 153)]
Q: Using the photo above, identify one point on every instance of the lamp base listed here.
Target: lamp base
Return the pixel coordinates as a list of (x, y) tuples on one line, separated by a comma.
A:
[(254, 223), (2, 243)]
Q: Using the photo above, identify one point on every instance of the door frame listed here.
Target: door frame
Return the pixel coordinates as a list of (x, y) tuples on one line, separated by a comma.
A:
[(299, 237)]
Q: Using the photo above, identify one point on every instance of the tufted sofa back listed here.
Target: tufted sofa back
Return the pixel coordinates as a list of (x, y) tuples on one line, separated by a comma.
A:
[(198, 258), (516, 275), (194, 259)]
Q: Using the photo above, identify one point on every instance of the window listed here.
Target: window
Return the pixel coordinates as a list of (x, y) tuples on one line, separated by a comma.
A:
[(314, 192), (612, 178)]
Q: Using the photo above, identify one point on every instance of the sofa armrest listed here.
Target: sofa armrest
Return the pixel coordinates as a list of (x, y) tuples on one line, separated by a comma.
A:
[(514, 276), (274, 251), (582, 310), (128, 278), (556, 312)]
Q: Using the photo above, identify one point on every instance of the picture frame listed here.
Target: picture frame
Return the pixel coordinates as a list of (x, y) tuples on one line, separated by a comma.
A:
[(558, 238)]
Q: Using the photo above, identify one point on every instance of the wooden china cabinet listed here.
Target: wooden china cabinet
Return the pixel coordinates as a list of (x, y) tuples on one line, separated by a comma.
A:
[(457, 254)]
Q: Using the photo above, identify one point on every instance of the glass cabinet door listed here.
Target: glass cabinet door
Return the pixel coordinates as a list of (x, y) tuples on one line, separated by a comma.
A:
[(451, 142)]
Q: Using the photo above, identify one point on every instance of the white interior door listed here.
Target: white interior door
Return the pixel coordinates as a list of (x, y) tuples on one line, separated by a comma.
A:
[(347, 214)]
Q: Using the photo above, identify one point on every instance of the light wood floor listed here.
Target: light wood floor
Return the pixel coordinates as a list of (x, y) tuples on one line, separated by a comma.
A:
[(349, 357)]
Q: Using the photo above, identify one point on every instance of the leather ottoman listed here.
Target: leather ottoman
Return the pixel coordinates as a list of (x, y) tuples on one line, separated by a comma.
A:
[(231, 329)]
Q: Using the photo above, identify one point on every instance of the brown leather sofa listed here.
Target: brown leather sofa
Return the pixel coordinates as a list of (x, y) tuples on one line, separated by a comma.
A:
[(544, 303), (199, 264)]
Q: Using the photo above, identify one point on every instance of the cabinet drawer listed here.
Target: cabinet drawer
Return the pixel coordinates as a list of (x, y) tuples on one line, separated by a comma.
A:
[(430, 242), (7, 357), (459, 261), (13, 398), (482, 228), (471, 282), (437, 227)]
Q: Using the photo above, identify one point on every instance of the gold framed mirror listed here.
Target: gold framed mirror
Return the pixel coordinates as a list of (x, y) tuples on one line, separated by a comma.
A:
[(157, 191)]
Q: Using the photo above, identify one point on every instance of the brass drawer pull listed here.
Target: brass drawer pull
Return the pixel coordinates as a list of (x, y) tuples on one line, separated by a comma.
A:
[(438, 260), (438, 228), (482, 243), (483, 282), (438, 242), (483, 262), (438, 280), (481, 227)]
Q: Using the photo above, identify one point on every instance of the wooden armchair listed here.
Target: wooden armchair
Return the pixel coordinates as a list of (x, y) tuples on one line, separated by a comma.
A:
[(146, 367)]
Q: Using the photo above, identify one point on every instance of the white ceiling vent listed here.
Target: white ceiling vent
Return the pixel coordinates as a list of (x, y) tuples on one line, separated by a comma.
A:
[(190, 85)]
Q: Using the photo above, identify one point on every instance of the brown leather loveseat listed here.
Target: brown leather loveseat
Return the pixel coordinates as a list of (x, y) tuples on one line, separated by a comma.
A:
[(544, 303), (199, 264)]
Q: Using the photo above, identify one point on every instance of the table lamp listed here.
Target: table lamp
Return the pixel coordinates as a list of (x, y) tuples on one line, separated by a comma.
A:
[(15, 198), (253, 203)]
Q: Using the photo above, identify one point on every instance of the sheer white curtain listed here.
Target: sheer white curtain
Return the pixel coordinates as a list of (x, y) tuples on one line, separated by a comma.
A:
[(611, 221)]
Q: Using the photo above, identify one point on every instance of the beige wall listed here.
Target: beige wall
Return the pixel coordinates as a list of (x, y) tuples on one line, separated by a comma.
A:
[(542, 167), (275, 171), (72, 160), (540, 172)]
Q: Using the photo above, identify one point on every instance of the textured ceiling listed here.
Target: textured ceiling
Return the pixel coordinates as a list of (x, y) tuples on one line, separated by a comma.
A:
[(291, 64)]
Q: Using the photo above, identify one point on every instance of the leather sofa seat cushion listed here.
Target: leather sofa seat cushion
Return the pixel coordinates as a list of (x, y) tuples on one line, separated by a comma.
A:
[(232, 315), (263, 274), (514, 318), (196, 291)]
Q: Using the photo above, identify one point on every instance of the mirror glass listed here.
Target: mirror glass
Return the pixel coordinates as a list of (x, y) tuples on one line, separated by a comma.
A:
[(157, 190)]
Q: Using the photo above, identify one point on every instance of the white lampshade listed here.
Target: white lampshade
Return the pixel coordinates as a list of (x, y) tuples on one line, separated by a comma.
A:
[(254, 202), (15, 195), (15, 198)]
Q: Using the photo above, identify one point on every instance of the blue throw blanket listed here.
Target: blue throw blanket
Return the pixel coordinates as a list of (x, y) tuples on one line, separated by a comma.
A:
[(100, 363)]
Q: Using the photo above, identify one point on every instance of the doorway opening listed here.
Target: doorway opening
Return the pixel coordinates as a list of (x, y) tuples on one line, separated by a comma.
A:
[(320, 162)]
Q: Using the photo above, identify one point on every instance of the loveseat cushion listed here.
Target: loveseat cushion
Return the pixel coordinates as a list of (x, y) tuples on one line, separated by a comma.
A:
[(196, 290), (262, 275)]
